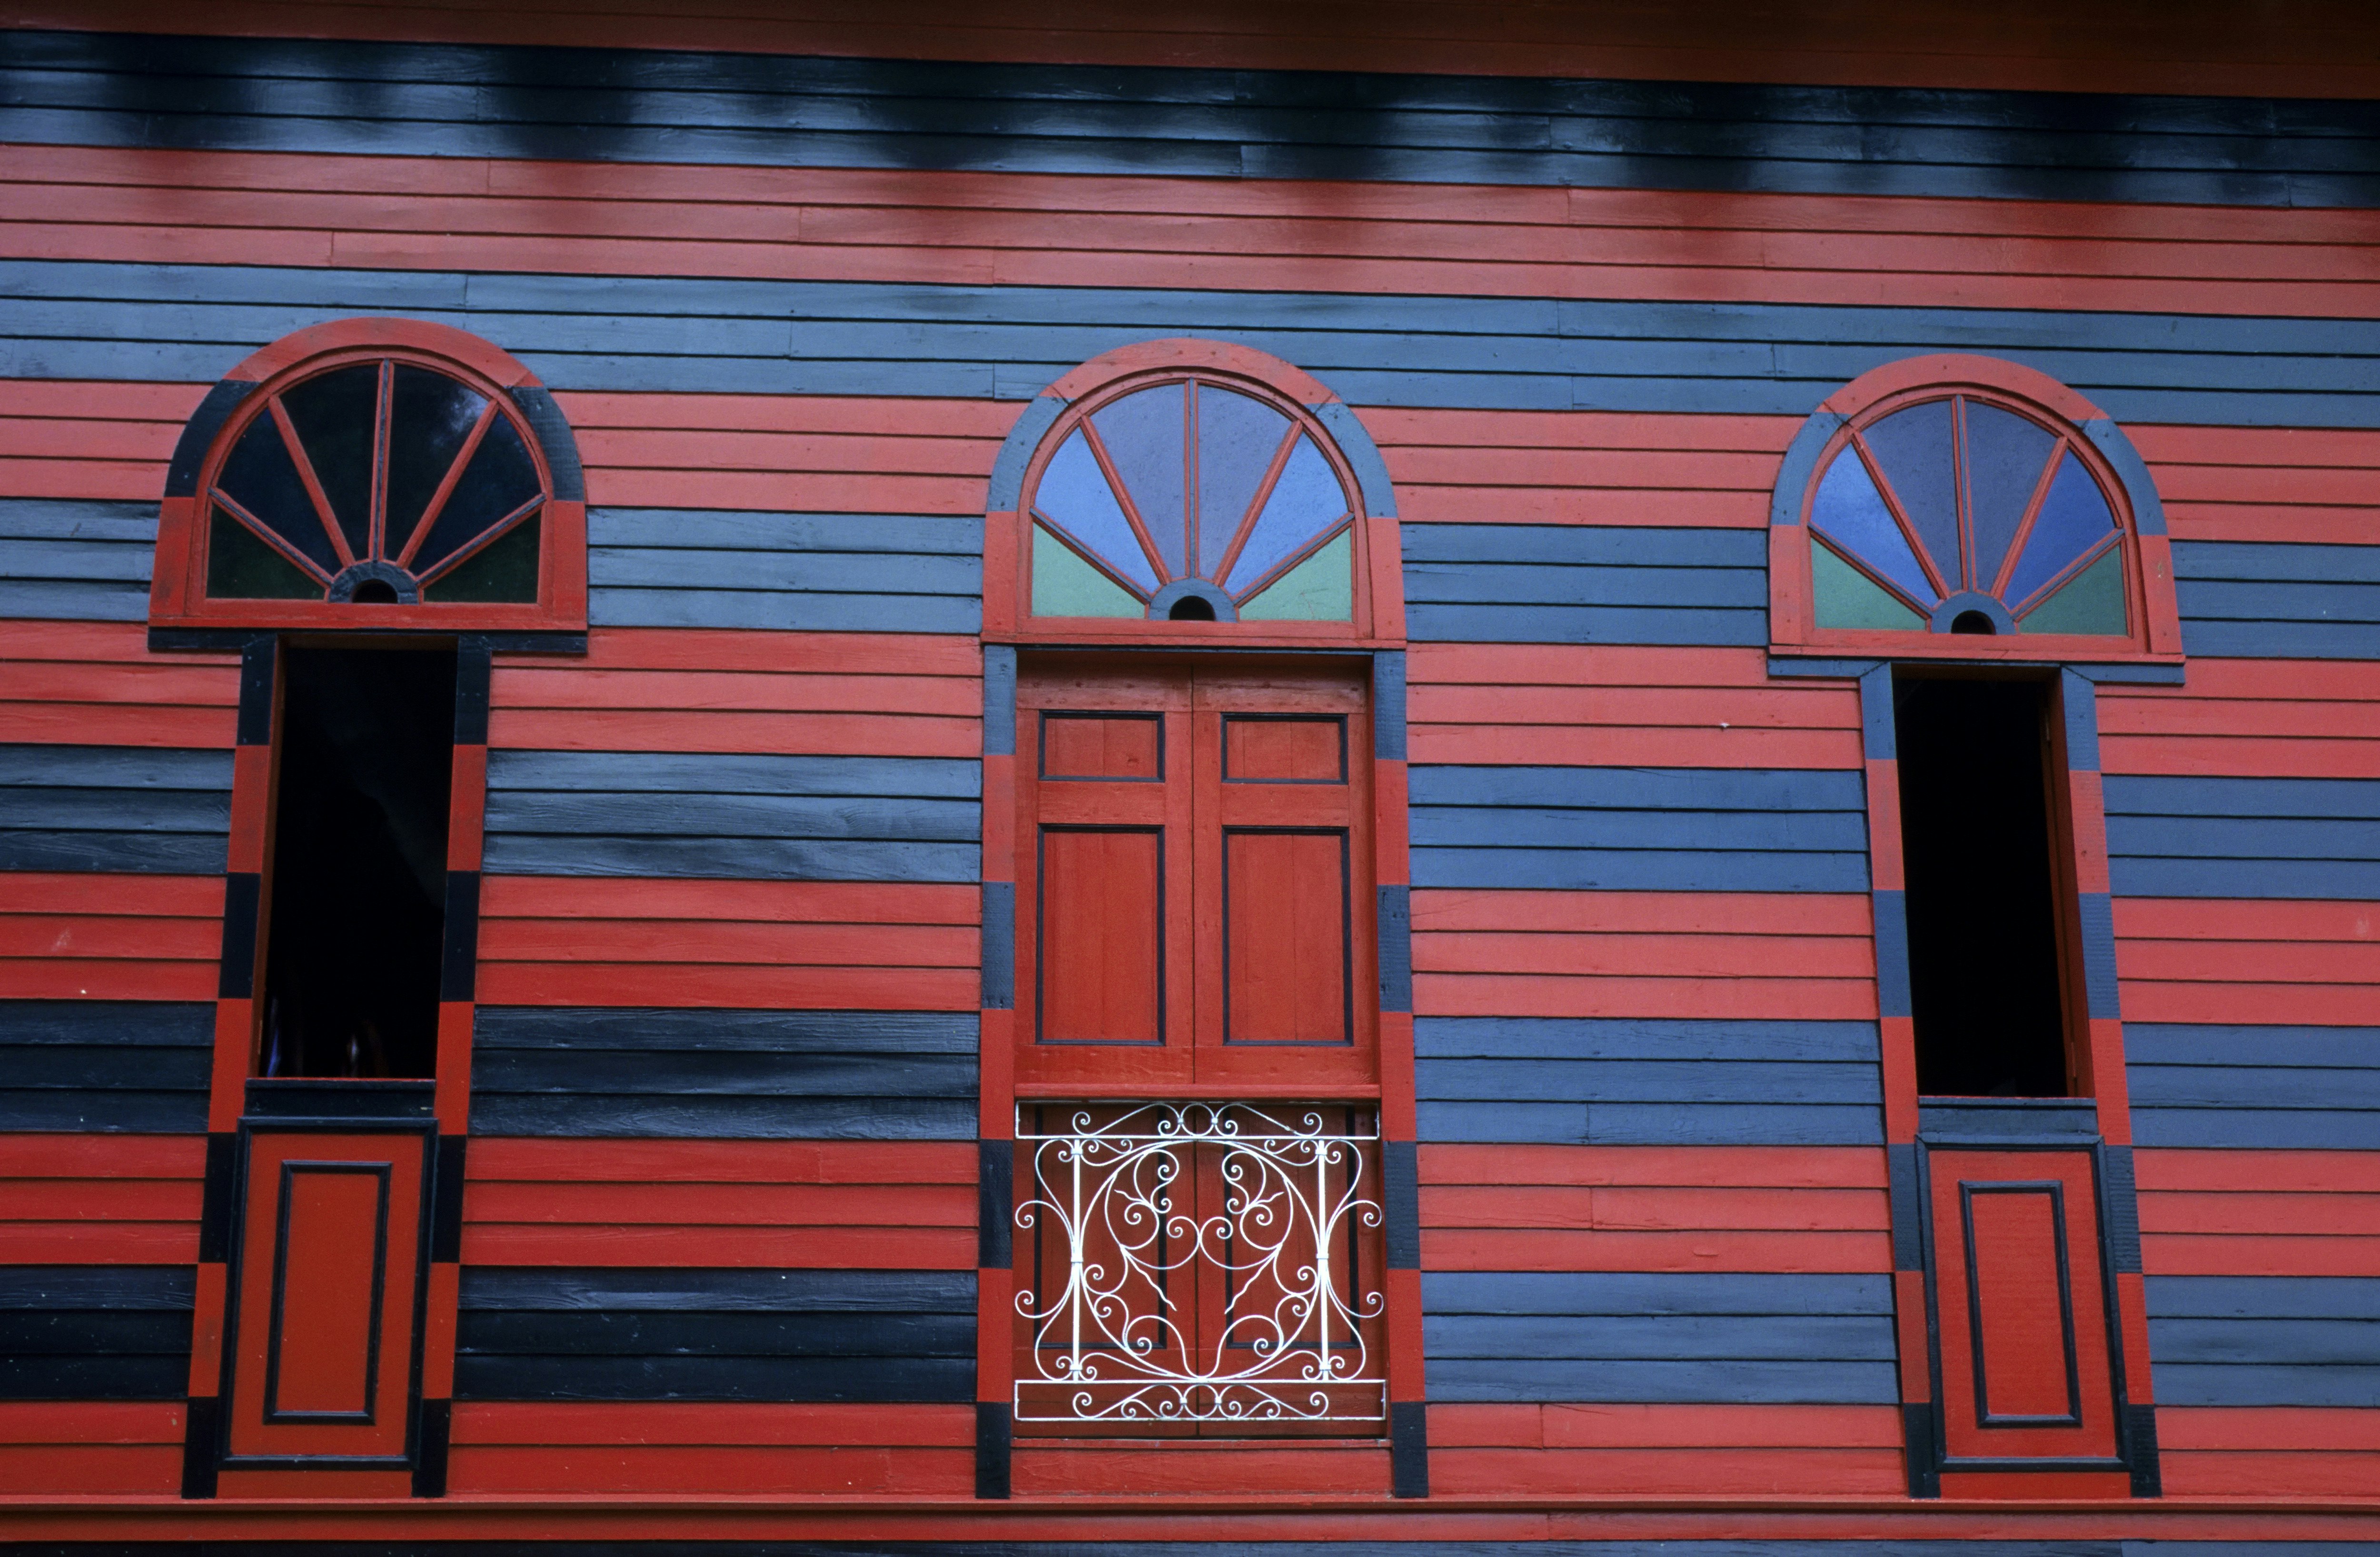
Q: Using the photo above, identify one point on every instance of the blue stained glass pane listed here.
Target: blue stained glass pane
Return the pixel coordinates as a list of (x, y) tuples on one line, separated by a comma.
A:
[(1237, 438), (1913, 447), (2005, 454), (1143, 433), (2075, 517), (1306, 500), (1074, 495), (1852, 512)]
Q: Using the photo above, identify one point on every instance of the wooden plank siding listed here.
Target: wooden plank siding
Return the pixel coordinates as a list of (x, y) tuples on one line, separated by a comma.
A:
[(721, 1221)]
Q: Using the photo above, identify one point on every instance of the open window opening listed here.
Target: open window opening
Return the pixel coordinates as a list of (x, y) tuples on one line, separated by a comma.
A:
[(1986, 906), (357, 918)]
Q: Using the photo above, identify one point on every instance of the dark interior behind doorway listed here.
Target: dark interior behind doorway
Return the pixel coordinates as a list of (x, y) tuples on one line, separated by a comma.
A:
[(359, 863), (1983, 934)]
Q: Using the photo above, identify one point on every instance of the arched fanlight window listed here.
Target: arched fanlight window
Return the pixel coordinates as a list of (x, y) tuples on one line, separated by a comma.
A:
[(382, 463), (1192, 498), (1948, 499)]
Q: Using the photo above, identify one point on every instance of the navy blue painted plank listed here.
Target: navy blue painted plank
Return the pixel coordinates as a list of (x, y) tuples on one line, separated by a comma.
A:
[(633, 105), (714, 1289), (99, 1288), (93, 521), (2185, 1383), (766, 609), (1667, 626), (1625, 871), (2254, 1130), (112, 1111), (1685, 789), (124, 1376), (2150, 1043), (58, 809), (67, 600), (1552, 581), (146, 1023), (723, 1118), (481, 1377), (895, 1032), (2355, 1297), (103, 320), (117, 562), (2344, 1087), (732, 859), (52, 1336), (865, 534), (2281, 601), (696, 1333), (2245, 878), (2286, 562), (672, 773), (1538, 1081), (788, 571), (1629, 1292), (1544, 828), (742, 1074), (1630, 548), (1862, 1339), (2137, 795), (1636, 1038), (518, 809), (2338, 1343), (1651, 1124), (2245, 838), (1717, 1383), (114, 767), (103, 1067), (2280, 640)]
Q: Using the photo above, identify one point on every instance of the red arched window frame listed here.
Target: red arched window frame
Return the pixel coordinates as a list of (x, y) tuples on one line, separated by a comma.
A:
[(1377, 618), (178, 591), (2084, 435)]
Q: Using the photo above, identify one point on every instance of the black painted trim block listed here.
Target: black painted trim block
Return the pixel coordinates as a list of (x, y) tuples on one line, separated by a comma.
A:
[(995, 1439), (1409, 1448)]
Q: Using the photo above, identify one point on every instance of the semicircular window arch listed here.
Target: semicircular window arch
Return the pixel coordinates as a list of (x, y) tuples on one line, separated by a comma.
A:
[(390, 478), (1962, 512), (1192, 498)]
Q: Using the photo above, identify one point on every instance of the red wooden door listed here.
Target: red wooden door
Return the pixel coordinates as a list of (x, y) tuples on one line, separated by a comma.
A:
[(325, 1319), (2022, 1305), (1195, 890)]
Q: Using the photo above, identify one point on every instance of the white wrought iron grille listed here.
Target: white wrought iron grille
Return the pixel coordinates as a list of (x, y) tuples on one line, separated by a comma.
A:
[(1201, 1263)]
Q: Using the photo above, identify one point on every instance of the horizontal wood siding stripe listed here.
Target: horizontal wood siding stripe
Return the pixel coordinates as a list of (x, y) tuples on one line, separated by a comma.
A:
[(114, 808), (2207, 1085), (757, 1074), (715, 1334), (65, 319), (1568, 1081), (95, 202), (821, 818), (1703, 1338), (1636, 829), (2261, 600), (2256, 484), (79, 560), (70, 936), (2306, 1341), (578, 1448), (52, 1447), (74, 1066), (2257, 718), (671, 106), (665, 567), (95, 1331), (1573, 584), (90, 681), (2248, 964), (2194, 837)]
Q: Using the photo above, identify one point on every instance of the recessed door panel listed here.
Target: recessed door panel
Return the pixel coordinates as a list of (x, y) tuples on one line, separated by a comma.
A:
[(1284, 749), (1125, 746), (1286, 937), (327, 1306), (2020, 1309), (1102, 935)]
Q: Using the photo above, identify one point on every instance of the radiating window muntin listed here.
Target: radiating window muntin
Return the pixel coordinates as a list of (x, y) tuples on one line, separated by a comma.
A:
[(1193, 497), (1958, 511), (377, 476)]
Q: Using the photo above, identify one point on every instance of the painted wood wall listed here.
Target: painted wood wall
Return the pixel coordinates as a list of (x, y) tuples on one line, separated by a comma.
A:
[(721, 1222)]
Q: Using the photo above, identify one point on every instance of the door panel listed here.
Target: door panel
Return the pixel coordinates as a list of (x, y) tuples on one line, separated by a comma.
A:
[(1287, 978), (1102, 974)]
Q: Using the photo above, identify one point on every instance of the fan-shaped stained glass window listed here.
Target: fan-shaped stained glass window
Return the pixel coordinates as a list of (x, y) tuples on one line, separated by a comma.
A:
[(1192, 501), (383, 480), (1963, 515)]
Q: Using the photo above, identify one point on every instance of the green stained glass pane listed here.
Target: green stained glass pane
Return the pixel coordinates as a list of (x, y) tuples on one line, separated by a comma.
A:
[(504, 570), (240, 567), (1063, 585), (1321, 589), (1844, 596), (2092, 601)]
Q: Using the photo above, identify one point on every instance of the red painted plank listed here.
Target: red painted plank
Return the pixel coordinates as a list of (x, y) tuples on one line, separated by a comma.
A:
[(2252, 919), (1440, 911), (1525, 745), (95, 939), (66, 979), (729, 1468), (1640, 1426), (1687, 998), (1655, 1209), (900, 1249), (90, 1422), (2240, 757), (2322, 1005), (662, 898), (102, 1243), (2269, 962), (1819, 707), (1738, 1472), (1815, 1167), (2270, 1428), (716, 650), (2158, 1168), (1621, 955), (720, 1205), (78, 893), (653, 942), (99, 1156), (2226, 1254), (1199, 1466), (1583, 665), (482, 1423), (50, 1470), (99, 1199), (1504, 1249), (889, 735), (497, 1158), (712, 985), (2325, 1214), (2308, 1475), (609, 691)]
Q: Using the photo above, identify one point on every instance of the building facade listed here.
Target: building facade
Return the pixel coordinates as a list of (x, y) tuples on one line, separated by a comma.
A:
[(1467, 776)]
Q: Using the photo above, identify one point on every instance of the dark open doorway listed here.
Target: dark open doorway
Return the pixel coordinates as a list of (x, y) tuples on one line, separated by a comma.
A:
[(1985, 926), (358, 914)]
